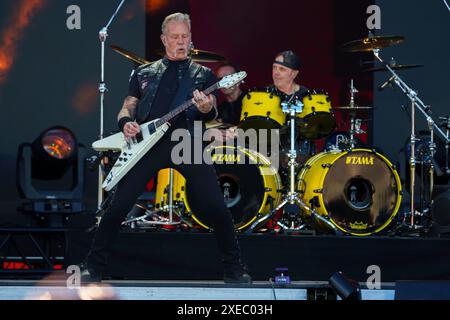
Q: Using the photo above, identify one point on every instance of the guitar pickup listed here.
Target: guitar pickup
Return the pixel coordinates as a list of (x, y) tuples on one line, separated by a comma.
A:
[(139, 137), (152, 128)]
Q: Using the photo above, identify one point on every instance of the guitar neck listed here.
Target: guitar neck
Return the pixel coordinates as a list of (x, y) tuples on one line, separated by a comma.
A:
[(187, 104)]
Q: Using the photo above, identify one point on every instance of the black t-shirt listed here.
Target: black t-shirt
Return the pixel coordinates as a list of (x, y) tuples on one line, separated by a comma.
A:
[(298, 95), (164, 96), (166, 93), (230, 112)]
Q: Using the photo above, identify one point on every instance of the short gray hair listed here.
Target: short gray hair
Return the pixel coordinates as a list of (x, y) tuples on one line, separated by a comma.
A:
[(178, 16)]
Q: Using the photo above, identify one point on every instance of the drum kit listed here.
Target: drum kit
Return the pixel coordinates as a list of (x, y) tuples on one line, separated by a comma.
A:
[(347, 188)]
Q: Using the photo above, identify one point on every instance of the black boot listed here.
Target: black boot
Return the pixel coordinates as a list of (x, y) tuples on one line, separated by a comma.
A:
[(237, 273), (238, 276), (88, 274)]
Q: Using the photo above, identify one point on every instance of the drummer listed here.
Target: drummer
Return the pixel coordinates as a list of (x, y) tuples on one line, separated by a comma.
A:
[(285, 71)]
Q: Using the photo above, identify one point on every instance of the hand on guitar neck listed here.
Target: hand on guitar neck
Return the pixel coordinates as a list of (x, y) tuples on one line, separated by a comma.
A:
[(203, 103)]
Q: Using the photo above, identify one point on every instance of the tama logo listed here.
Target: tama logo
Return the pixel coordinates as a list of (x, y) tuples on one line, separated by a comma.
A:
[(226, 158), (359, 160)]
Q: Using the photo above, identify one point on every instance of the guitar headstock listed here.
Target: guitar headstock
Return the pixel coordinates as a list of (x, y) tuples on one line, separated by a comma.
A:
[(231, 80)]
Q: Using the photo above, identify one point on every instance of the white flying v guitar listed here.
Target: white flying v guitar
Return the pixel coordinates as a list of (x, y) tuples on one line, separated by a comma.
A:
[(151, 132)]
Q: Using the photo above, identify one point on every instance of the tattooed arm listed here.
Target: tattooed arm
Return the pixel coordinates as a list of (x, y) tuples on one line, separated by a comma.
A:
[(126, 115), (128, 108)]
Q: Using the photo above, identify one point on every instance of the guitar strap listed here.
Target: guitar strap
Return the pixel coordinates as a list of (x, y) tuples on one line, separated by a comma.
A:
[(185, 84)]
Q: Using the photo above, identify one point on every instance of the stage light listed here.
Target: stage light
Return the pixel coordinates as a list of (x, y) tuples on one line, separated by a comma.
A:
[(50, 173), (345, 288)]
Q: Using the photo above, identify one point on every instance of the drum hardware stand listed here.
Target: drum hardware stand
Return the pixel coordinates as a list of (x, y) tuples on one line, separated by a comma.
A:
[(355, 124), (432, 168), (160, 220), (292, 199), (416, 102), (446, 124)]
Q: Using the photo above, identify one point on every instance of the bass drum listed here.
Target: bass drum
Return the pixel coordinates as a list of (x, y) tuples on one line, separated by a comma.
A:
[(251, 186), (359, 190)]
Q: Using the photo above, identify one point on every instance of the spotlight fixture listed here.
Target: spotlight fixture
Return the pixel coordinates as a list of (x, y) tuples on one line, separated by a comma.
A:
[(50, 173)]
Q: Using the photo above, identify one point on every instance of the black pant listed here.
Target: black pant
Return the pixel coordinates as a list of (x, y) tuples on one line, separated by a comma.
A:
[(202, 178)]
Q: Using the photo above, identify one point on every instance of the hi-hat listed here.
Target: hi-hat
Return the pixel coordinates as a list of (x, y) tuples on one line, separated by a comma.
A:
[(371, 43), (353, 107)]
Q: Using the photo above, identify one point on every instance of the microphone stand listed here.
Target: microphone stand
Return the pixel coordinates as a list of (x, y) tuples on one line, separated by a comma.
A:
[(416, 103), (103, 34)]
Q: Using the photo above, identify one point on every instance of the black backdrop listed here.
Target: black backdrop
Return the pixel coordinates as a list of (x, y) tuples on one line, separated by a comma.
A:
[(425, 26)]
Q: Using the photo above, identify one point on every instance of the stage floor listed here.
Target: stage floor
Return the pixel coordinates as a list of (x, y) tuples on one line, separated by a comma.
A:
[(194, 256), (184, 290)]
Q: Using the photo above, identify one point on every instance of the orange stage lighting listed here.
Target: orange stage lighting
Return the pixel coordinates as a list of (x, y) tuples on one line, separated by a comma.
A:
[(21, 17), (155, 5), (85, 97)]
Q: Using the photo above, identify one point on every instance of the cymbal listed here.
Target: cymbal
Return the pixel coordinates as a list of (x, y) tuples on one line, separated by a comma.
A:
[(372, 42), (394, 67), (130, 55), (353, 108), (205, 56), (201, 55), (214, 124)]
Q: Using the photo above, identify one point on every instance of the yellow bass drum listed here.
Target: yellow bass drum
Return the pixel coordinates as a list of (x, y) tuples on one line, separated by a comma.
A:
[(250, 184), (359, 190)]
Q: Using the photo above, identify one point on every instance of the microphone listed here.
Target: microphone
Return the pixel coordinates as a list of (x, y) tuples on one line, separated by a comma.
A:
[(384, 85)]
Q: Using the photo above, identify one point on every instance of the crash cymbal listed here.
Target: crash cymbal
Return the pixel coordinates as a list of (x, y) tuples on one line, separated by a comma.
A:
[(394, 67), (372, 42), (205, 56), (201, 55), (130, 55)]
